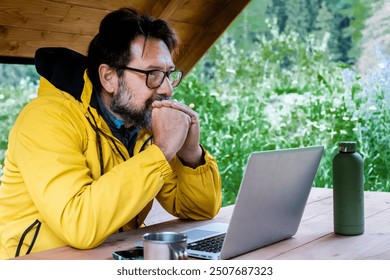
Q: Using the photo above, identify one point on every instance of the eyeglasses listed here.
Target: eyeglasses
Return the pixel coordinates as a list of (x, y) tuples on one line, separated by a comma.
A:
[(155, 78)]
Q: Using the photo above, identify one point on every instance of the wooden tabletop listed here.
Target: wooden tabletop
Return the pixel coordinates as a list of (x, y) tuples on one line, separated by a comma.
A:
[(314, 240)]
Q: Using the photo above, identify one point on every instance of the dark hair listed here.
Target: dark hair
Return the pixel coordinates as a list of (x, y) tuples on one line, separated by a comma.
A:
[(117, 31)]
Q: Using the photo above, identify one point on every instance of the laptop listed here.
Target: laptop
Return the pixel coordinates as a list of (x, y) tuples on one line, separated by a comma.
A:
[(268, 208)]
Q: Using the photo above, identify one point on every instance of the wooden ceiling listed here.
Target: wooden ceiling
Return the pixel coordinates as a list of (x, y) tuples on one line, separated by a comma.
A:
[(26, 25)]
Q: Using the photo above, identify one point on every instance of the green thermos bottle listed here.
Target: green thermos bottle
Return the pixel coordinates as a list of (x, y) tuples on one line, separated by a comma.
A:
[(348, 191)]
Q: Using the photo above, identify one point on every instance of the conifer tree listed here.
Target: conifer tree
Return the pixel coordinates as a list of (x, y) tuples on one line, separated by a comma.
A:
[(326, 29), (276, 9), (298, 17)]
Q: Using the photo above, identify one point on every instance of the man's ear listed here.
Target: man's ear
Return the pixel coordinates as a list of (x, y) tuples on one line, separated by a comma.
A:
[(108, 78)]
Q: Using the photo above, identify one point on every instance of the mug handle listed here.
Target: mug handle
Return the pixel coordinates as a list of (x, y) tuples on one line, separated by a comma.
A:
[(179, 253)]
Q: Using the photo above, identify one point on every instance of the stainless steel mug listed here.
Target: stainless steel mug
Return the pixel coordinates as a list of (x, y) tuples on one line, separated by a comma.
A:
[(165, 246)]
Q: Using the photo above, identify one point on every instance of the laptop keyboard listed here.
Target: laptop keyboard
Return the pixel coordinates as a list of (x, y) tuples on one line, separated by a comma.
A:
[(211, 244)]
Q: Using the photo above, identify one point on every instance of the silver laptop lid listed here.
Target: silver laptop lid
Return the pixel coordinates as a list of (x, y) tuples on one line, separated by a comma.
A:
[(272, 198)]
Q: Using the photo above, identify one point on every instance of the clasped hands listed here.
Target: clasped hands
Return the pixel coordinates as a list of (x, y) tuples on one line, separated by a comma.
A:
[(176, 130)]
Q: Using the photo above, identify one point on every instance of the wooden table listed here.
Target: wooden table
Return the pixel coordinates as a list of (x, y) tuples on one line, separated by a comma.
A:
[(314, 240)]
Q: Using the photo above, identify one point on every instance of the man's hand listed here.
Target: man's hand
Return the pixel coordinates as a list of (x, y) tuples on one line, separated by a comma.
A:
[(189, 151), (170, 128)]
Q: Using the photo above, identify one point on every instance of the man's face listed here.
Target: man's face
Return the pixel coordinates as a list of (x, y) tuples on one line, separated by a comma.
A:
[(133, 99)]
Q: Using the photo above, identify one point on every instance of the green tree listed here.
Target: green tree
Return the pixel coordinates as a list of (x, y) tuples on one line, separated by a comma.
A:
[(13, 74), (323, 23), (276, 9), (250, 23), (325, 30), (360, 11), (301, 15), (346, 21)]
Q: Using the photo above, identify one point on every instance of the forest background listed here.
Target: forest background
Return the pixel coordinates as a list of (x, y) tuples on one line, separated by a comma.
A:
[(285, 74)]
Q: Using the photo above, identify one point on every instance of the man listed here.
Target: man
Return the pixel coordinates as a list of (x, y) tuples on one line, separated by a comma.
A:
[(103, 139)]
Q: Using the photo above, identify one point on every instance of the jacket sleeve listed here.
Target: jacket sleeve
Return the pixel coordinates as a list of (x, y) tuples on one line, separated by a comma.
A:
[(192, 193), (48, 146)]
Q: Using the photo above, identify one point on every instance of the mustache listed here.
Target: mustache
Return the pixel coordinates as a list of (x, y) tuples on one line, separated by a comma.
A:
[(157, 97)]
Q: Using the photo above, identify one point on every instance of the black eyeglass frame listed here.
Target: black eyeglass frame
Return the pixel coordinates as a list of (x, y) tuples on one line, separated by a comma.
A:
[(167, 74)]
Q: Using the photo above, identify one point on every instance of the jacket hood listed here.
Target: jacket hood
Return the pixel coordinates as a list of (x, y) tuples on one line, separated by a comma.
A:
[(63, 68)]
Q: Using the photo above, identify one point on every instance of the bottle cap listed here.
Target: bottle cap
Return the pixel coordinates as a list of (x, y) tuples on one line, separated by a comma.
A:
[(347, 147)]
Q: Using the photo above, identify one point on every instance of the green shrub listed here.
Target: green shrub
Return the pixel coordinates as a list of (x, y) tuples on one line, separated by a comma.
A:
[(12, 100), (284, 94)]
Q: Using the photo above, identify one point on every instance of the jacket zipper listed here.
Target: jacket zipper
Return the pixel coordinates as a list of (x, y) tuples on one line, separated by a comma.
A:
[(100, 148)]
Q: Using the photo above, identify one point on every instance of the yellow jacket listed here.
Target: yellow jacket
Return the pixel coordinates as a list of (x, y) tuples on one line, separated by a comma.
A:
[(52, 174)]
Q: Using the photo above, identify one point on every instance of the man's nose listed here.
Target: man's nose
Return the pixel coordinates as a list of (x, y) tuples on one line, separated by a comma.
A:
[(165, 88)]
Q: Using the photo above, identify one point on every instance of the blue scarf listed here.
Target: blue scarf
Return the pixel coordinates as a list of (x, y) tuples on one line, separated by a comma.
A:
[(128, 136)]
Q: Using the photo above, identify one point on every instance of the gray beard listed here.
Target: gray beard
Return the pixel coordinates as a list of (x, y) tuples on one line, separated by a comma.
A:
[(140, 117)]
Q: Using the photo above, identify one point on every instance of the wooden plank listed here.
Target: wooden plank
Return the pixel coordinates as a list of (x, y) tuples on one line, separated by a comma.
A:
[(317, 194), (170, 9), (185, 31), (50, 16), (144, 6), (108, 5), (198, 12), (23, 43), (157, 215), (373, 244)]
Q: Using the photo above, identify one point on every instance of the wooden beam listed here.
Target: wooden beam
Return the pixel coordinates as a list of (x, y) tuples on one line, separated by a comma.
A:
[(16, 60), (202, 41)]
